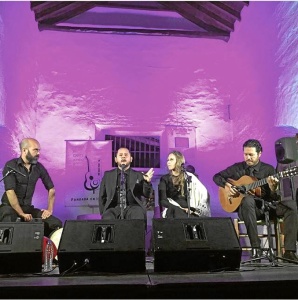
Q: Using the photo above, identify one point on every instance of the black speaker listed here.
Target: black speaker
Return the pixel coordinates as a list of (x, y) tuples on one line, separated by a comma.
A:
[(102, 246), (286, 150), (21, 247), (194, 245)]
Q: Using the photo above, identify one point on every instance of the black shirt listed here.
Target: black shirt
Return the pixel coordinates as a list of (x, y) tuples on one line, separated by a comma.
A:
[(237, 170), (166, 189), (24, 186)]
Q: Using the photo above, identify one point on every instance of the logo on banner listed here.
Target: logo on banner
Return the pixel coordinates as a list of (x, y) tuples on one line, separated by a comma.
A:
[(86, 160), (91, 182)]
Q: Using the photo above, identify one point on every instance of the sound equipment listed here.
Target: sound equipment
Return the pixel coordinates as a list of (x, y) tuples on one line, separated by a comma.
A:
[(286, 150), (195, 244), (102, 246), (21, 247)]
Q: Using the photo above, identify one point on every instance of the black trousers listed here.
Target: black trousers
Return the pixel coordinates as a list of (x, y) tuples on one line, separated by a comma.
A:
[(249, 212), (8, 214), (131, 212)]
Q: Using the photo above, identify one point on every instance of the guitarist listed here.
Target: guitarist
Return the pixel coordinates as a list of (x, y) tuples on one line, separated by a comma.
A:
[(250, 208)]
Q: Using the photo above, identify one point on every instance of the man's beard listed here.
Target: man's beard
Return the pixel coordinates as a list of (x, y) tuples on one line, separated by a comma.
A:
[(31, 159)]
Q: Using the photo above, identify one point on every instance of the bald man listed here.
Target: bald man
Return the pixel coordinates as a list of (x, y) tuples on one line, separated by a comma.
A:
[(20, 177)]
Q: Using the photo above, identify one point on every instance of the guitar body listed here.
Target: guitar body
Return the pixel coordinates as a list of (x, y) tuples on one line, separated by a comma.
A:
[(231, 203)]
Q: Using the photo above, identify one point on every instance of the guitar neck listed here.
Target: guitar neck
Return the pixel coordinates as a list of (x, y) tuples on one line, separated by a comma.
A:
[(263, 181), (256, 184)]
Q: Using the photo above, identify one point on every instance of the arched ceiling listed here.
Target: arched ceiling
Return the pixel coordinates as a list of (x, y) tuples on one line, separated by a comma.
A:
[(196, 19)]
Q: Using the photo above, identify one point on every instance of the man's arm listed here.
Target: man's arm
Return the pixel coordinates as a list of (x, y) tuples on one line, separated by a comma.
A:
[(102, 194), (220, 178), (49, 185), (14, 203), (147, 186), (221, 181), (234, 172), (147, 189), (51, 200)]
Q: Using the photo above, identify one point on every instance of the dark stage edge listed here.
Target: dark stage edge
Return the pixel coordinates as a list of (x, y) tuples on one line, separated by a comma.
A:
[(252, 281)]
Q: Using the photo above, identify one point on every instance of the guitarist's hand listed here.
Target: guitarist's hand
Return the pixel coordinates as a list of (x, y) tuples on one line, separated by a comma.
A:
[(273, 183), (231, 191)]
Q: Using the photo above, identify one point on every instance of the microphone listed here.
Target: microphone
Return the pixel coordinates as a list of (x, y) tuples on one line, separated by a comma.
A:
[(16, 171), (183, 167), (123, 166)]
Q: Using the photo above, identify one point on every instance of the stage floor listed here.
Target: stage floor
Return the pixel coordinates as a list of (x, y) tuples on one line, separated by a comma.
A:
[(251, 281)]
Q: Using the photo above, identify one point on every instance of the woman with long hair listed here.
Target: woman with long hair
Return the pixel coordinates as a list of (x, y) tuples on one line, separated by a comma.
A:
[(178, 187)]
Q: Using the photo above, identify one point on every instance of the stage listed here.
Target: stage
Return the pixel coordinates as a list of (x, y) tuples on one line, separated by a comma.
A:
[(253, 280)]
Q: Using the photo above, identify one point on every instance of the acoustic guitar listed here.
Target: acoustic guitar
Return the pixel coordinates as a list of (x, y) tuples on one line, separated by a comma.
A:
[(248, 185)]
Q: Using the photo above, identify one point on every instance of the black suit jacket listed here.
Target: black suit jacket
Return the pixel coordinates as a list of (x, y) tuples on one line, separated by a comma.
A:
[(137, 185)]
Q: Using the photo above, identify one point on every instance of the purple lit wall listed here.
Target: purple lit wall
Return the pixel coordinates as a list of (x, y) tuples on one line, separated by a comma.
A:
[(58, 86)]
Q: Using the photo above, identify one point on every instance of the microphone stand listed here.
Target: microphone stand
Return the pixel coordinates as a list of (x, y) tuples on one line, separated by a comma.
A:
[(122, 192), (188, 181), (270, 255), (8, 172)]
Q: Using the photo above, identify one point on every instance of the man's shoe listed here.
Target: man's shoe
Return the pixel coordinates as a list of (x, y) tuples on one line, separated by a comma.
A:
[(290, 255), (256, 253)]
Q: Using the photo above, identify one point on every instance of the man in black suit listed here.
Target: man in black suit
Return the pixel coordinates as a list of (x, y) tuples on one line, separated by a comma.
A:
[(121, 190)]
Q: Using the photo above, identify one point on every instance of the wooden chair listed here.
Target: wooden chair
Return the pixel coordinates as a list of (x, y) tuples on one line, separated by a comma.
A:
[(277, 235)]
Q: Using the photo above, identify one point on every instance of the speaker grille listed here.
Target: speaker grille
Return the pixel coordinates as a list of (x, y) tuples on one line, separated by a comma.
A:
[(102, 246), (21, 247), (286, 150), (206, 244)]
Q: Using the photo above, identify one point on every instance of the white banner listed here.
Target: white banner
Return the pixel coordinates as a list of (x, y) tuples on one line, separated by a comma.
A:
[(86, 162)]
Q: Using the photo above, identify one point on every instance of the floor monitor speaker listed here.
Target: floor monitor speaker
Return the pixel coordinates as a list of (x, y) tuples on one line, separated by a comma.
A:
[(21, 247), (286, 150), (102, 246), (195, 245)]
